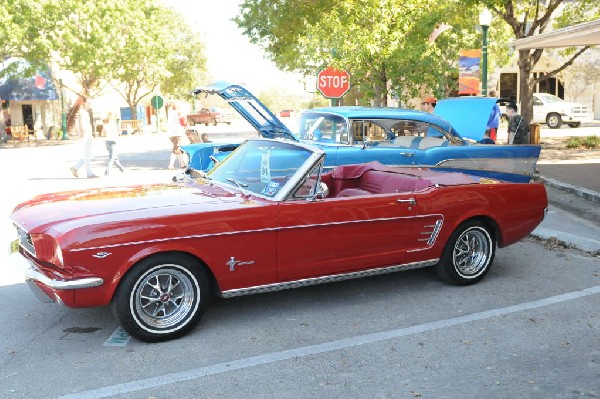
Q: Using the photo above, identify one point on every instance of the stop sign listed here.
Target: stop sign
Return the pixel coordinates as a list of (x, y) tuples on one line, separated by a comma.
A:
[(333, 83)]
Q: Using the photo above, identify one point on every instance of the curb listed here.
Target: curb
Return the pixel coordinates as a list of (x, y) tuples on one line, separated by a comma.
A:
[(581, 192)]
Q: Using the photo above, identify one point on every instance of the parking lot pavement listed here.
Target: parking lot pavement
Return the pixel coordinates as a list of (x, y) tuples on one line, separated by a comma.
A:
[(529, 329)]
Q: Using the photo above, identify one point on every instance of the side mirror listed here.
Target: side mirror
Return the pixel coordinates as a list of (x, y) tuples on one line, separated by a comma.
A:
[(322, 193)]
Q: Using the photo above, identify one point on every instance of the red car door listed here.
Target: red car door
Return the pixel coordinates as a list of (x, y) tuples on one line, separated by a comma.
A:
[(339, 235)]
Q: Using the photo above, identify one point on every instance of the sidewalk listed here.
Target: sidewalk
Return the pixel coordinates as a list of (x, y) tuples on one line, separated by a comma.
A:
[(572, 179)]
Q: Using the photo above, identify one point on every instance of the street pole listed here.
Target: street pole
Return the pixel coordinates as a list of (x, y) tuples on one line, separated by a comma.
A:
[(63, 116), (485, 19), (484, 62)]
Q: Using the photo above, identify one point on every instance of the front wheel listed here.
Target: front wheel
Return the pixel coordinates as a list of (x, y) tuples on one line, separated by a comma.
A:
[(161, 298), (468, 254), (554, 121)]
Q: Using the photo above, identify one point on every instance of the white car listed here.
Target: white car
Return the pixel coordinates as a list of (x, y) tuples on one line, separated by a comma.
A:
[(555, 111)]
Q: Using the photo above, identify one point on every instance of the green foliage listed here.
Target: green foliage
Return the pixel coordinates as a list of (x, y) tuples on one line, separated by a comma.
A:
[(377, 41), (384, 43), (140, 44), (590, 142), (159, 51)]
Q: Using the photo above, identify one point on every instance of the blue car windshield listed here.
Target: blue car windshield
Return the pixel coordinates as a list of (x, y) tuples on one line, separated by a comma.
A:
[(322, 128), (262, 167)]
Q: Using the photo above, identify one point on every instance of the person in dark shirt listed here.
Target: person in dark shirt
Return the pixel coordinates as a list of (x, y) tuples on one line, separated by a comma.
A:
[(518, 128)]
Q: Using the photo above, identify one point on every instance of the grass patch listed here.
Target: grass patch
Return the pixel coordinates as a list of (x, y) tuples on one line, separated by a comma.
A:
[(589, 142)]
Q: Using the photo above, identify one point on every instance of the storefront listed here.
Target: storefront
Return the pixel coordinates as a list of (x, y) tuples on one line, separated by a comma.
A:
[(29, 100)]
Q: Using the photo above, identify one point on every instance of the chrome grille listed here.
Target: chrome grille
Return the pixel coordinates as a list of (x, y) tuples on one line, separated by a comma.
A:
[(25, 241)]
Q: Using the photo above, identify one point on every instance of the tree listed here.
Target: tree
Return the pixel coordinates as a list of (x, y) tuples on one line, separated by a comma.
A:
[(530, 18), (160, 51), (16, 32), (582, 75), (382, 43), (140, 43)]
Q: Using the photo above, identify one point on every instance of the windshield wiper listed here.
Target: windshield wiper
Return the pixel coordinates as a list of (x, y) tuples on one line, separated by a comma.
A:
[(237, 182)]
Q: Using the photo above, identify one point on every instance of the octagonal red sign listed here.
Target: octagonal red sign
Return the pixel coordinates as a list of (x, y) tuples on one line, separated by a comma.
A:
[(333, 83)]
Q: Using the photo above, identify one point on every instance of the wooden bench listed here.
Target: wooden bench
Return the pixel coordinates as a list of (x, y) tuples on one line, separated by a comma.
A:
[(133, 126), (19, 132)]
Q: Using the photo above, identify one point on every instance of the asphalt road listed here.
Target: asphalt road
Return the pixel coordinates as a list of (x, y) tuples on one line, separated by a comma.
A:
[(530, 329)]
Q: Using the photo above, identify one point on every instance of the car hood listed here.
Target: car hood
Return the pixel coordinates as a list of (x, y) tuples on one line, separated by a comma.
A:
[(248, 106), (115, 204), (468, 115)]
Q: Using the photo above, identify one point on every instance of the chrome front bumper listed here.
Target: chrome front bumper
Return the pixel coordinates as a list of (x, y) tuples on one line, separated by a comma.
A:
[(33, 275)]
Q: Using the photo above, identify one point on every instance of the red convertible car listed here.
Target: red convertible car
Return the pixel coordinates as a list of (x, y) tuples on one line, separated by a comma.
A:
[(266, 218)]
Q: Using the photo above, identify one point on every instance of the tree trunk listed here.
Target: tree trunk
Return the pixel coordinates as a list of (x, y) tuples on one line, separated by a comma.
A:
[(379, 85), (526, 85)]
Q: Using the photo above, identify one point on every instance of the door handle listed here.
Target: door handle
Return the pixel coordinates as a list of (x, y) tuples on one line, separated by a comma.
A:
[(411, 201), (407, 154)]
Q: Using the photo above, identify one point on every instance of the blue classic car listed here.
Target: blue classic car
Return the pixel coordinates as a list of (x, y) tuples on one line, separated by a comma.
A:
[(392, 136)]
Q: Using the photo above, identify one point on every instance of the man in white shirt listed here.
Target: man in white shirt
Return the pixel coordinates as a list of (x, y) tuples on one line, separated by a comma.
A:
[(83, 127)]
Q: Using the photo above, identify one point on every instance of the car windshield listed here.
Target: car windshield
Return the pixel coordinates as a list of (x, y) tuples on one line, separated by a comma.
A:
[(267, 168), (322, 128), (549, 98)]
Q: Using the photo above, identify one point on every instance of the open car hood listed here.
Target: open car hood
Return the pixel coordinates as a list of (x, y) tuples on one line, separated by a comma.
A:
[(468, 115), (254, 111)]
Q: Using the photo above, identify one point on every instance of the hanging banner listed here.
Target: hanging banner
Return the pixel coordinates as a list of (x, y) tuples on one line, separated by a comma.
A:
[(468, 72)]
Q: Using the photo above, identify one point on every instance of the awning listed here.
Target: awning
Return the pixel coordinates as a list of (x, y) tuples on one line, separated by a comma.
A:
[(585, 34), (13, 87)]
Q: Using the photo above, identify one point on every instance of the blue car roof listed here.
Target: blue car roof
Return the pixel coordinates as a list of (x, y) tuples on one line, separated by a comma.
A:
[(461, 116), (358, 112)]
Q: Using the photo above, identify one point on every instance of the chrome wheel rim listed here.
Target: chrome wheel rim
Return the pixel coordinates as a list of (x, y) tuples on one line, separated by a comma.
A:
[(472, 252), (553, 120), (165, 297)]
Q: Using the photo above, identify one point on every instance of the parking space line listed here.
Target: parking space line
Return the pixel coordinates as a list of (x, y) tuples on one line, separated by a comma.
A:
[(268, 358)]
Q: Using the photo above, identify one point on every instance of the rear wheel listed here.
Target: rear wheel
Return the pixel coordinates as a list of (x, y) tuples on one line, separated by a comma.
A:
[(574, 124), (554, 121), (468, 254), (162, 298)]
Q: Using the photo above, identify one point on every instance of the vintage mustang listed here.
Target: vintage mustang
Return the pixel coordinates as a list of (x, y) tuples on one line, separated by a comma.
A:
[(391, 136), (264, 219)]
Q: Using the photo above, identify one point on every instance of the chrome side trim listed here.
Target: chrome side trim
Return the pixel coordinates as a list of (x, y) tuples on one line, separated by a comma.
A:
[(259, 289), (32, 273), (519, 166), (228, 233), (430, 233), (436, 231)]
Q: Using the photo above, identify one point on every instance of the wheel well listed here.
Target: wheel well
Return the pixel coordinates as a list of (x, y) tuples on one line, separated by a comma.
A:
[(491, 225), (214, 286)]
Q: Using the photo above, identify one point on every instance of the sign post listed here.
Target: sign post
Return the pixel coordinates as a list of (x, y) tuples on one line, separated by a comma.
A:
[(333, 83), (157, 102)]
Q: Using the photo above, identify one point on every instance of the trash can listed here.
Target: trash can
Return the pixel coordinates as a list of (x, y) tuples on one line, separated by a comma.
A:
[(534, 133)]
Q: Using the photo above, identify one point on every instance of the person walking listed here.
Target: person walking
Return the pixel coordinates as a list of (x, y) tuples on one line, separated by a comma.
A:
[(83, 128), (518, 128), (494, 120), (175, 132), (110, 131)]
